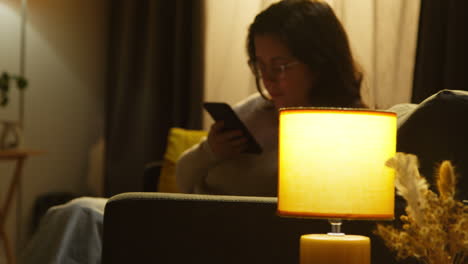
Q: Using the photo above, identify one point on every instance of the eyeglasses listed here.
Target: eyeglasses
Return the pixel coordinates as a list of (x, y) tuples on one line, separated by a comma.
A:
[(275, 72)]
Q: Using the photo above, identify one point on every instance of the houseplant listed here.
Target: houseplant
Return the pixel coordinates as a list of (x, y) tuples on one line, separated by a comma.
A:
[(10, 134), (5, 79), (435, 227)]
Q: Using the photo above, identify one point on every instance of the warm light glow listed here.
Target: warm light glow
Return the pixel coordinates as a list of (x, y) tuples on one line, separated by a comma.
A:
[(332, 163)]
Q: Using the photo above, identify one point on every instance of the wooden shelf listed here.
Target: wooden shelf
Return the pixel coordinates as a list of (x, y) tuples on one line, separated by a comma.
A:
[(18, 153)]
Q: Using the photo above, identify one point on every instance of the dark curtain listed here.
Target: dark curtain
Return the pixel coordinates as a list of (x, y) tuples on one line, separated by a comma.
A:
[(154, 83), (442, 54)]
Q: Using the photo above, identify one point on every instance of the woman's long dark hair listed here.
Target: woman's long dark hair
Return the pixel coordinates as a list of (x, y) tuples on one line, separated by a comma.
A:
[(315, 36)]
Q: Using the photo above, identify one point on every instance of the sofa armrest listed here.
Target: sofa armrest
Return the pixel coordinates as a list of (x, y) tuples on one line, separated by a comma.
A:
[(189, 228)]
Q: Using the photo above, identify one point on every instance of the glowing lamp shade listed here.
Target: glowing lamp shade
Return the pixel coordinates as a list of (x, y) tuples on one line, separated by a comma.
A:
[(332, 163)]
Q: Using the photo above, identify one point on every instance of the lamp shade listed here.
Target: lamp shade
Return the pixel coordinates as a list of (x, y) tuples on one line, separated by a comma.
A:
[(332, 163)]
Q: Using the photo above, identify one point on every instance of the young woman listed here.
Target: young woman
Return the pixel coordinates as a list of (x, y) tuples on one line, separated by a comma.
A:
[(300, 56)]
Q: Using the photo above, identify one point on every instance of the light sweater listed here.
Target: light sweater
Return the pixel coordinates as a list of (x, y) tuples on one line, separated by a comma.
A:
[(199, 171)]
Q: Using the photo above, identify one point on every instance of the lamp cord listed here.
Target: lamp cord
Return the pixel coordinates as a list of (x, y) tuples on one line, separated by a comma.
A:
[(22, 65), (22, 71)]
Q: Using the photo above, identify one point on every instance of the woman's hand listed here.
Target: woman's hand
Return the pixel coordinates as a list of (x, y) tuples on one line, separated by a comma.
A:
[(226, 144)]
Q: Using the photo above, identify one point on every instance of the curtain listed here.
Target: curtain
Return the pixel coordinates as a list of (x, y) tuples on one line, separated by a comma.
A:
[(227, 76), (383, 40), (441, 51), (154, 82)]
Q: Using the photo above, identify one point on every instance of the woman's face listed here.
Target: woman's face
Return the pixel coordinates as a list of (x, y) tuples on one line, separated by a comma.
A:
[(287, 80)]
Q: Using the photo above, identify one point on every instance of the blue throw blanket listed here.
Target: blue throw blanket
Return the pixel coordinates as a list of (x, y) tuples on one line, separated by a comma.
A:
[(69, 233)]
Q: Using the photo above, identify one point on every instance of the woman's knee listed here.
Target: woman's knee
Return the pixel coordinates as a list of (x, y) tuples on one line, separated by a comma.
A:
[(77, 206)]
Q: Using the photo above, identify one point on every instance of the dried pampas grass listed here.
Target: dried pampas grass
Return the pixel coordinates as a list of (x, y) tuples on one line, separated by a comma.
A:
[(435, 227)]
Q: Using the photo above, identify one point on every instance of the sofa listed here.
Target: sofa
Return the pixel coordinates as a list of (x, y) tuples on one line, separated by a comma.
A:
[(159, 227), (189, 228)]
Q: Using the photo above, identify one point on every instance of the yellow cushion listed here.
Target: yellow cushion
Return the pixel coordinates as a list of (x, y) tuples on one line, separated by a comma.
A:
[(178, 141)]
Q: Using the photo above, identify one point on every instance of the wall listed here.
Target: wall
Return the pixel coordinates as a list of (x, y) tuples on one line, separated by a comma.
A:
[(64, 114)]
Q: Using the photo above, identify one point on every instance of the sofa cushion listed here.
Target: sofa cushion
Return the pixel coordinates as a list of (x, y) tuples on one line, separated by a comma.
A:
[(437, 130), (178, 141)]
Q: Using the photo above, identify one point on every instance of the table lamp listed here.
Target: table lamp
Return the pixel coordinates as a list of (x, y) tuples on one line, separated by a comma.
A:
[(332, 166)]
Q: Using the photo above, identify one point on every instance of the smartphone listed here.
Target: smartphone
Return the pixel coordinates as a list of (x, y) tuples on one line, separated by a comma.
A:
[(224, 112)]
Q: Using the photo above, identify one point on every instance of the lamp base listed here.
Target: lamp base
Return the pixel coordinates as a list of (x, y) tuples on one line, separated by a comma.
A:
[(334, 249)]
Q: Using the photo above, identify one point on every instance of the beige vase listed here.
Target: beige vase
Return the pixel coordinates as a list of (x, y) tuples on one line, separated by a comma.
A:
[(10, 135)]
